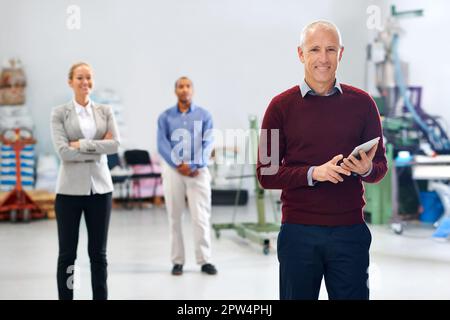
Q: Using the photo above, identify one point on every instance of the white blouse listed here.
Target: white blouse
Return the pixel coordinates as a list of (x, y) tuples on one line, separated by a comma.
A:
[(86, 119), (87, 126)]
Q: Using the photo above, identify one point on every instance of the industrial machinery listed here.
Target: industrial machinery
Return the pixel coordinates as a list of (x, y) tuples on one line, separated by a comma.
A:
[(257, 232), (443, 191), (406, 125), (18, 204), (405, 122), (436, 170)]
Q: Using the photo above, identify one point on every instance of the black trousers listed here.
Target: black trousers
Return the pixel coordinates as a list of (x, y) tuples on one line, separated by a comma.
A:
[(97, 213), (339, 254)]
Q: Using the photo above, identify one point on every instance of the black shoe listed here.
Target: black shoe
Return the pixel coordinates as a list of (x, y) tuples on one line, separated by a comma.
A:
[(208, 268), (177, 270)]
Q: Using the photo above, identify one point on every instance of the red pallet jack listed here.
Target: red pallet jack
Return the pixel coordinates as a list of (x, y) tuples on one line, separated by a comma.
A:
[(18, 205)]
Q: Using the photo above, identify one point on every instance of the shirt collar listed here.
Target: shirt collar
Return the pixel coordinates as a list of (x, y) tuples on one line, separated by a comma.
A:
[(80, 109), (305, 89), (191, 108)]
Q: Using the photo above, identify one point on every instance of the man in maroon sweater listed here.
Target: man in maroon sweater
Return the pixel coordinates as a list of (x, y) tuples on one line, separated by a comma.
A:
[(308, 134)]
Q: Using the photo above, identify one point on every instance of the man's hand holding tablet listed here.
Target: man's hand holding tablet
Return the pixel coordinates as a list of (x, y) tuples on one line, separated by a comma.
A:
[(360, 160)]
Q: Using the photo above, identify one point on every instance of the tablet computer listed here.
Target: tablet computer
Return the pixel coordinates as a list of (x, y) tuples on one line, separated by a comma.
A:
[(366, 146)]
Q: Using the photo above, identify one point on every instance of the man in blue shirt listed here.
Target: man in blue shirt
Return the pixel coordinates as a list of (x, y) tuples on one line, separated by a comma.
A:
[(185, 142)]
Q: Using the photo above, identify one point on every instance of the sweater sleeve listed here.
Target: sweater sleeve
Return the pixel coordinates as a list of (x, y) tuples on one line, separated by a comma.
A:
[(373, 129), (271, 170)]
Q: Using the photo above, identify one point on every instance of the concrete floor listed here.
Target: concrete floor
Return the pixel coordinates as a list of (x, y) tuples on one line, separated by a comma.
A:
[(411, 266)]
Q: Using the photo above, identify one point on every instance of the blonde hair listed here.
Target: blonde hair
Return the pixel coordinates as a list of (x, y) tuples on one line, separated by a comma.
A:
[(76, 65)]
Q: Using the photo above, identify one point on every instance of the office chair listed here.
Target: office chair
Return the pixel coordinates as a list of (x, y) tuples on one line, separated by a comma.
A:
[(141, 157), (120, 176)]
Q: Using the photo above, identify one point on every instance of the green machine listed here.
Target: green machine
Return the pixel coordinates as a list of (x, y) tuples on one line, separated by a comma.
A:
[(259, 231), (386, 83), (379, 196), (402, 133)]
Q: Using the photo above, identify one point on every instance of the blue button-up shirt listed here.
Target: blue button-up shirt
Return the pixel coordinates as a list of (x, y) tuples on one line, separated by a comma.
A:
[(185, 136)]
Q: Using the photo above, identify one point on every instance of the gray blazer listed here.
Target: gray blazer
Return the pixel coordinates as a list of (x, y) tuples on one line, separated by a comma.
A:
[(80, 167)]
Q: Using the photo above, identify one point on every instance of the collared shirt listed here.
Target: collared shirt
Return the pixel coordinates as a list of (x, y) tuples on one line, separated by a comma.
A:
[(185, 136), (86, 119), (305, 89), (87, 126)]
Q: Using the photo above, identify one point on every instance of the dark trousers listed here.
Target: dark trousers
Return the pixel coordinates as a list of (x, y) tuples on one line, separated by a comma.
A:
[(97, 213), (339, 254)]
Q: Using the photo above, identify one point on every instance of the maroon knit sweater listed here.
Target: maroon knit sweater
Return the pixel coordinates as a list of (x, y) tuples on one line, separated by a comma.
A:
[(312, 130)]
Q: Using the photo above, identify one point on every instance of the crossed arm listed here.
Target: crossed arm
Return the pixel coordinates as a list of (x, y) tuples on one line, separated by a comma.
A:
[(83, 150)]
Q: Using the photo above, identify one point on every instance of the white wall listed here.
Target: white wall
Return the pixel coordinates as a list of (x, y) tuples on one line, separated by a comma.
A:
[(239, 53)]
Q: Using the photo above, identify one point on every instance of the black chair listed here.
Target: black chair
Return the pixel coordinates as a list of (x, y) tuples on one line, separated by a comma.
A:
[(141, 157), (121, 179), (113, 161)]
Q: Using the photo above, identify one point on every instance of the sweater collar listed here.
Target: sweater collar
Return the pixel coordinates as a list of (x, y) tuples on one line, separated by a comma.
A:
[(305, 89)]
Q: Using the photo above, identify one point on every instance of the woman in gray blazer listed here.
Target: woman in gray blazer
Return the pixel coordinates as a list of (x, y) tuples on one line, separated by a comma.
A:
[(83, 134)]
